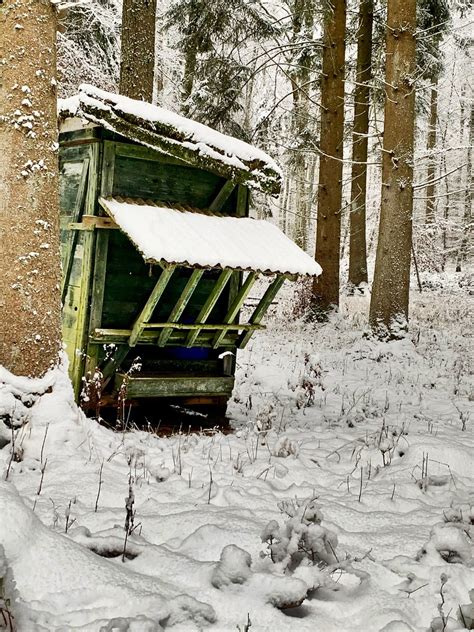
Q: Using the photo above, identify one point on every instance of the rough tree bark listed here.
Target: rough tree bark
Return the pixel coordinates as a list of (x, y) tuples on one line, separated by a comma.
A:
[(302, 26), (138, 49), (360, 130), (328, 229), (30, 305), (468, 199), (390, 290), (431, 144)]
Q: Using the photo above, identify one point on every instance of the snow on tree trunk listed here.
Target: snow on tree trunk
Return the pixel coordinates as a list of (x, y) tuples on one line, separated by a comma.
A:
[(357, 241), (138, 49), (390, 290), (30, 330), (431, 144), (328, 230)]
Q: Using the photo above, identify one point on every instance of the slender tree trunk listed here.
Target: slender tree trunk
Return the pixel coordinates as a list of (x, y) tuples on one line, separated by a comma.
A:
[(190, 63), (30, 304), (328, 230), (303, 24), (357, 239), (468, 199), (431, 188), (138, 49), (391, 286)]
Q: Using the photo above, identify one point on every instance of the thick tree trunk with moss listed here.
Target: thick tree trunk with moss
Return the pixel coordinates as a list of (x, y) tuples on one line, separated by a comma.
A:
[(138, 49), (30, 331), (390, 290), (357, 238), (328, 230), (431, 144)]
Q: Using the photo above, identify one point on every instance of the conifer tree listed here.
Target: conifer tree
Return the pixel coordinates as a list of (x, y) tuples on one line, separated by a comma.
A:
[(391, 285), (328, 230)]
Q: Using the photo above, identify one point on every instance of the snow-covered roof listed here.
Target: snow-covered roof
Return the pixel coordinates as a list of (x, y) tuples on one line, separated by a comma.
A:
[(174, 135), (206, 239)]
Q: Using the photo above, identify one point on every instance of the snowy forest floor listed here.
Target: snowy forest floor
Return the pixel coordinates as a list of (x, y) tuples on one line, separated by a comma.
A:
[(374, 438)]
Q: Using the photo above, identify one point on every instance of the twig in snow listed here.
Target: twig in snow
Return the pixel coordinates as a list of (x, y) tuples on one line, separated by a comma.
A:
[(99, 488)]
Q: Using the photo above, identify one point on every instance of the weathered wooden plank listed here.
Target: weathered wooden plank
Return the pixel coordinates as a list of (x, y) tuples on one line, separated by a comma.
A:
[(108, 168), (261, 308), (91, 222), (150, 305), (222, 197), (209, 305), (97, 294), (203, 326), (178, 336), (77, 368), (71, 241), (236, 305), (181, 303), (140, 152), (176, 386)]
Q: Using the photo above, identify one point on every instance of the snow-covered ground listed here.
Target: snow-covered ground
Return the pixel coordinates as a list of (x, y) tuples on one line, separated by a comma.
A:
[(352, 459)]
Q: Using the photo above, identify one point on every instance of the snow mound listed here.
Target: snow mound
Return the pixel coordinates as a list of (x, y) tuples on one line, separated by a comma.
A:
[(52, 573)]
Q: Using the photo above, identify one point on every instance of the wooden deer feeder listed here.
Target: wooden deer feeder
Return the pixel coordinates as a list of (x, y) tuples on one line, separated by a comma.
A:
[(159, 253)]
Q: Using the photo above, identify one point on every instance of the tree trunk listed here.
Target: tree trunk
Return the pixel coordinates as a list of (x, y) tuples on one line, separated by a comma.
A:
[(468, 199), (357, 239), (190, 64), (30, 305), (138, 49), (302, 25), (431, 188), (328, 230), (390, 291)]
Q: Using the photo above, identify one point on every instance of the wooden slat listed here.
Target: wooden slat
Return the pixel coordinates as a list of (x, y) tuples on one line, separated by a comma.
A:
[(235, 306), (97, 294), (261, 308), (150, 305), (72, 238), (209, 305), (180, 305), (82, 314), (91, 222), (175, 386), (108, 168), (222, 197)]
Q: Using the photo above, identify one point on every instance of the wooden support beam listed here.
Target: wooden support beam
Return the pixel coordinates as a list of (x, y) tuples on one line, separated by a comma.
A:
[(261, 308), (91, 222), (71, 242), (150, 305), (181, 303), (175, 386), (115, 361), (209, 305), (235, 306), (222, 197), (150, 337)]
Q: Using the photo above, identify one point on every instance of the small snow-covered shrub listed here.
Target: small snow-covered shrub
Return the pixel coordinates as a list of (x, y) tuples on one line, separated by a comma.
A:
[(232, 568), (452, 542), (301, 539), (285, 447)]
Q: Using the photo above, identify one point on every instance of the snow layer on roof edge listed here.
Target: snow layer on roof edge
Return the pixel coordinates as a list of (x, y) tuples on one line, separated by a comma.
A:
[(196, 239), (195, 136)]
